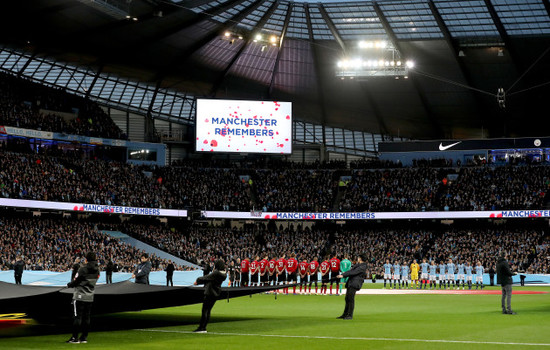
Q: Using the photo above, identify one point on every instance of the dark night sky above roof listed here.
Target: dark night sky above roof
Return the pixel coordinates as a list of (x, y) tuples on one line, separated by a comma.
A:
[(185, 50)]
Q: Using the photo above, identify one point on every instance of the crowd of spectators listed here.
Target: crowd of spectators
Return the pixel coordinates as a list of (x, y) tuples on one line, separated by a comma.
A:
[(541, 261), (493, 188), (53, 245), (528, 250), (29, 105), (410, 189), (69, 177), (402, 245), (521, 246), (201, 245), (205, 188), (196, 245), (295, 190)]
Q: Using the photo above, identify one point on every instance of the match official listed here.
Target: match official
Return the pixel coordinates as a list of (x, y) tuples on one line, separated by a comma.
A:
[(83, 297), (213, 287), (357, 276)]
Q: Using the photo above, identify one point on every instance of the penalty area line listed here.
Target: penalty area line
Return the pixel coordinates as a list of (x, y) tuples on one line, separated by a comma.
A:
[(350, 338)]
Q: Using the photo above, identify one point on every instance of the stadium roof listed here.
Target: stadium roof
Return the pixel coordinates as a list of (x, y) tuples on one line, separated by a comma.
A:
[(464, 51)]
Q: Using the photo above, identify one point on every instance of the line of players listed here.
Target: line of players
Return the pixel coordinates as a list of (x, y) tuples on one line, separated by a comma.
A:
[(284, 271), (442, 274)]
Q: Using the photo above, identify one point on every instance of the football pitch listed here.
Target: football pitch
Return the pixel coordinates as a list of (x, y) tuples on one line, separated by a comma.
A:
[(391, 321)]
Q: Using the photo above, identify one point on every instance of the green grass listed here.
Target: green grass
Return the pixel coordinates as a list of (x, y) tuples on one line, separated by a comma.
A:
[(474, 318)]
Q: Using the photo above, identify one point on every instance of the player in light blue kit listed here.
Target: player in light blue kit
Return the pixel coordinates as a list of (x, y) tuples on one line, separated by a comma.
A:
[(424, 274), (396, 274), (479, 275), (405, 275), (433, 274), (468, 269), (387, 272), (442, 276), (450, 273), (460, 275)]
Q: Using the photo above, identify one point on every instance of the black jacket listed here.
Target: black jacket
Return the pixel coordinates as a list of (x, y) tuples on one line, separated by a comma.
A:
[(504, 274), (142, 272), (84, 282), (109, 268), (212, 283), (18, 268), (170, 270), (356, 275)]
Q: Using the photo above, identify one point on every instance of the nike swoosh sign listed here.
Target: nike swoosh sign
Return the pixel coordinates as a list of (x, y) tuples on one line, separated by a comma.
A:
[(443, 148)]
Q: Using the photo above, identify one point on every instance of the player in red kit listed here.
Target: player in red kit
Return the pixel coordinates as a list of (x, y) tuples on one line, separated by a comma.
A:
[(313, 270), (324, 268), (254, 269), (245, 266), (334, 271), (291, 271), (291, 268), (271, 265), (303, 268), (264, 275), (280, 269)]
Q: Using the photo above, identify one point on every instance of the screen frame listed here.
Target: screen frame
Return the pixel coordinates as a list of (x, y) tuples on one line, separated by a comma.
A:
[(197, 150)]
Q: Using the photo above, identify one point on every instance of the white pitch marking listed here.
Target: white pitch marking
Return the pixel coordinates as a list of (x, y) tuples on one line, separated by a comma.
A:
[(351, 338)]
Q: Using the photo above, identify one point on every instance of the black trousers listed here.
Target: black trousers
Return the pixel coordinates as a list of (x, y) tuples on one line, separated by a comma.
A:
[(207, 306), (81, 318), (350, 302), (169, 280), (18, 279), (109, 278)]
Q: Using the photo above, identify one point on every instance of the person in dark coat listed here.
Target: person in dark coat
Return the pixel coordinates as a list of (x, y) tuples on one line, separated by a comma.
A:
[(170, 274), (109, 271), (213, 287), (504, 278), (522, 277), (18, 268), (492, 276), (141, 273), (357, 276), (83, 297)]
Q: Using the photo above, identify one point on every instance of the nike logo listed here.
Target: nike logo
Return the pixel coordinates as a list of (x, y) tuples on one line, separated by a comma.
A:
[(443, 148)]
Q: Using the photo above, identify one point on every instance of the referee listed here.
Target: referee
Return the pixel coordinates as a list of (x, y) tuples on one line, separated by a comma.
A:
[(357, 276)]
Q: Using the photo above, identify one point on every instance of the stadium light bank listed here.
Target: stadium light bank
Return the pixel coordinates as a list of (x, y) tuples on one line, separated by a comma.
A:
[(374, 59)]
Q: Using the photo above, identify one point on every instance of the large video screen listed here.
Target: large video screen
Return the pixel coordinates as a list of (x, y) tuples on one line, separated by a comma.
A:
[(244, 126)]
